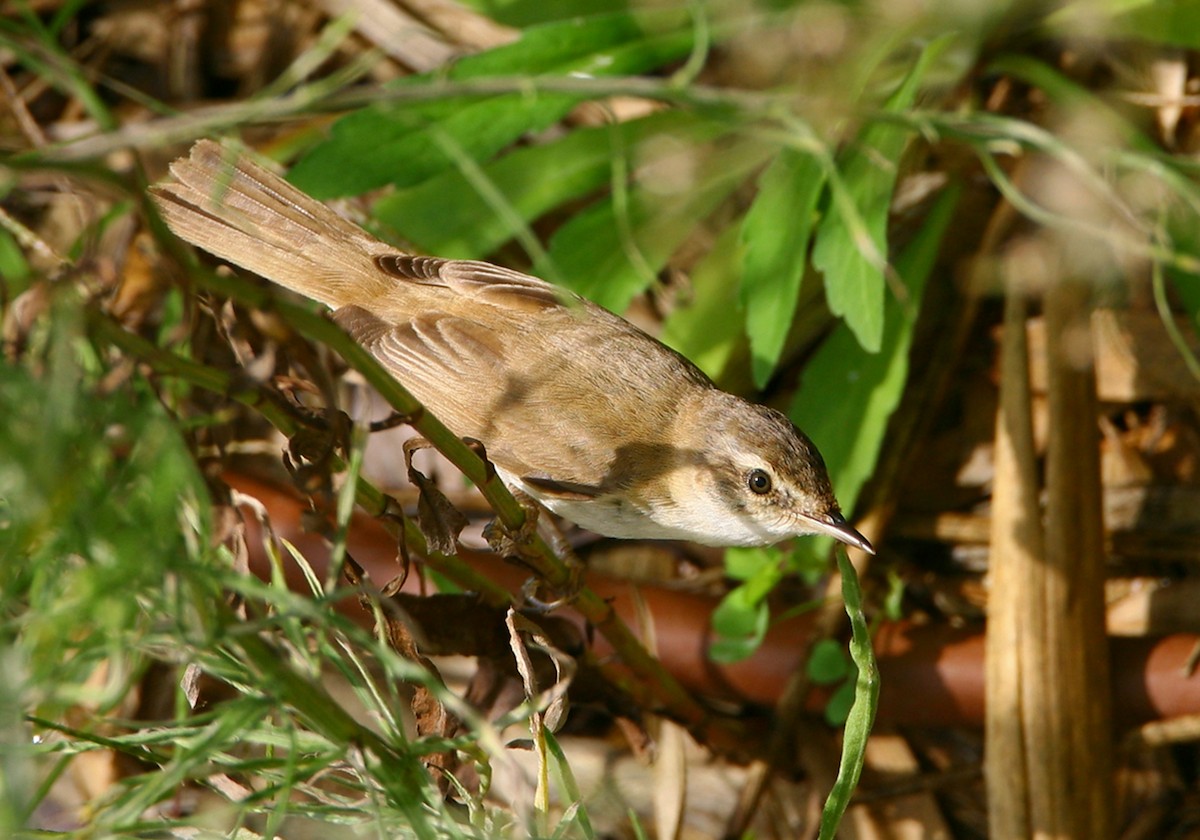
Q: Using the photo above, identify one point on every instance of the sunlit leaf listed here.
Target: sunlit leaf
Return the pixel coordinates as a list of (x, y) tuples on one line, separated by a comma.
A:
[(851, 241), (529, 12), (448, 215), (741, 620), (1174, 22), (847, 394), (610, 252), (775, 237), (404, 145)]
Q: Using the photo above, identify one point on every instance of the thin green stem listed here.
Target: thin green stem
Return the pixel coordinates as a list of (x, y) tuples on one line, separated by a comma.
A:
[(1168, 319)]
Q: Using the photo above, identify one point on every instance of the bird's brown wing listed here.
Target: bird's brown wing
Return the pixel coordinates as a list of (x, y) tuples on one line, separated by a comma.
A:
[(462, 372), (472, 283)]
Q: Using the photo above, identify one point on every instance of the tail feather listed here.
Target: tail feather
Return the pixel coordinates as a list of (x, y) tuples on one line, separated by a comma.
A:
[(239, 211)]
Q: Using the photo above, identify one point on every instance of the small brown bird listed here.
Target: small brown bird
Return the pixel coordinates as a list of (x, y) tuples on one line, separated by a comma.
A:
[(578, 408)]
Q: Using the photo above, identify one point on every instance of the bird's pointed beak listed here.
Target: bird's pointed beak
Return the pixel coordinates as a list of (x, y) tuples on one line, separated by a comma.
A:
[(837, 527)]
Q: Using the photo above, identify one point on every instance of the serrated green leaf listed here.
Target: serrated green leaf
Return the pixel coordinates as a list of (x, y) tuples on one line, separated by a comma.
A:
[(775, 236), (609, 256), (404, 145), (851, 241), (847, 394), (447, 215)]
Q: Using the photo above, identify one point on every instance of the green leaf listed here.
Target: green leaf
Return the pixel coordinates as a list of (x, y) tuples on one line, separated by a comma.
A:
[(84, 549), (742, 618), (847, 394), (449, 215), (893, 600), (702, 330), (740, 624), (1187, 287), (744, 563), (837, 707), (14, 269), (579, 824), (405, 144), (862, 711), (522, 13), (613, 250), (775, 236), (379, 146), (1182, 240), (1173, 22), (851, 241), (827, 663)]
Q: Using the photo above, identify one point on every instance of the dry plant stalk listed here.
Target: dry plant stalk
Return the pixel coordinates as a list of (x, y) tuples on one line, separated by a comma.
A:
[(1048, 693), (1077, 685), (1015, 569)]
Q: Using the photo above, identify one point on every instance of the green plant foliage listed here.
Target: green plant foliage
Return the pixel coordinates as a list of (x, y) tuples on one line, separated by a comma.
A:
[(107, 568), (1174, 22), (775, 237), (702, 329), (14, 269), (829, 665), (845, 400), (614, 249), (847, 393), (827, 662), (92, 487), (741, 620), (523, 13), (851, 241), (452, 215), (837, 708), (404, 145)]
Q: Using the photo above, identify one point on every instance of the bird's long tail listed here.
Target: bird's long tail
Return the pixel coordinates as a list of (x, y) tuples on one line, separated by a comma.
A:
[(230, 206)]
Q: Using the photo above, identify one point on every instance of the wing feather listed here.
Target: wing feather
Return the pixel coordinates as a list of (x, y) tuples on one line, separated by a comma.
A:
[(479, 282), (459, 369)]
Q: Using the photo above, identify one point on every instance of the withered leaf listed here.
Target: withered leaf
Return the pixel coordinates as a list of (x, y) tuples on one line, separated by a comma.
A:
[(440, 521)]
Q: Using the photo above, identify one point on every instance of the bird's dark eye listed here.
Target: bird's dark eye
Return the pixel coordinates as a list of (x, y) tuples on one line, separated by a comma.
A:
[(759, 482)]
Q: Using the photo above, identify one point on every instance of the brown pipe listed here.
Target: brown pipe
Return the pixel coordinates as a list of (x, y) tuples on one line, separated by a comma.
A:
[(931, 675)]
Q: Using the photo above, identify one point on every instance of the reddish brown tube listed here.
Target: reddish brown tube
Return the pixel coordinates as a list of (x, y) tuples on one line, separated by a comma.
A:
[(930, 675)]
